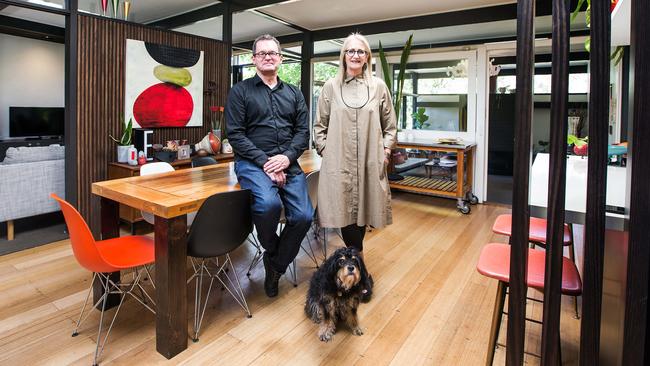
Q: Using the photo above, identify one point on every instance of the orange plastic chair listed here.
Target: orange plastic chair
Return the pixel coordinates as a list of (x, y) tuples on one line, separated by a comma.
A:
[(105, 256), (494, 262)]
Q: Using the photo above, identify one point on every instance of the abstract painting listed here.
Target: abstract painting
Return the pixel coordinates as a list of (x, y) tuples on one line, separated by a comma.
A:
[(163, 86)]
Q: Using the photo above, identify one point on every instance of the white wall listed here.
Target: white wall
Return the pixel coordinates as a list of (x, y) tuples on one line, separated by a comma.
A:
[(32, 74)]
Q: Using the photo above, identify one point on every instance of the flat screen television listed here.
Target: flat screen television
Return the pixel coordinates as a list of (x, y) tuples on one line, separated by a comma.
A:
[(36, 121)]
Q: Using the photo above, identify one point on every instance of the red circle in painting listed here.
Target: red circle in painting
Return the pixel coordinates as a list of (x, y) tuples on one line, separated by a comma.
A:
[(163, 105)]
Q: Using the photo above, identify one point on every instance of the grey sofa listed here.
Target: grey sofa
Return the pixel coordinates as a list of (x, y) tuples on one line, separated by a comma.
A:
[(27, 177)]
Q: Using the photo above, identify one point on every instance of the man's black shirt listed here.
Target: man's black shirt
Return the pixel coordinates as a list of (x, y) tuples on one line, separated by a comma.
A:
[(263, 122)]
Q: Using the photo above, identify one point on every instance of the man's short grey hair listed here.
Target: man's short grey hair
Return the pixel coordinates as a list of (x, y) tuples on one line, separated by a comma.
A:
[(265, 37)]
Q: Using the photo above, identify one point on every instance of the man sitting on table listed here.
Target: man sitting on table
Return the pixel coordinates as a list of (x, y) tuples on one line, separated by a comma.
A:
[(267, 125)]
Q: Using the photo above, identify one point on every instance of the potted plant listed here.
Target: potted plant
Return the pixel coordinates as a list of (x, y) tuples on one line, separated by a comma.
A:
[(124, 143), (420, 119), (580, 144)]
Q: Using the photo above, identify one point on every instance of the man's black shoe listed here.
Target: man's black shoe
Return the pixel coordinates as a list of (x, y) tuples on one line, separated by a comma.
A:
[(271, 278)]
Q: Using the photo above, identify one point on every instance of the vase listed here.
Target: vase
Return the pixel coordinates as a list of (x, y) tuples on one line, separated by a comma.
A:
[(123, 153)]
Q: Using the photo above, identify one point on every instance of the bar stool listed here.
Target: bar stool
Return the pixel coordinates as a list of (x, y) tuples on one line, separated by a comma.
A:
[(494, 262), (537, 236)]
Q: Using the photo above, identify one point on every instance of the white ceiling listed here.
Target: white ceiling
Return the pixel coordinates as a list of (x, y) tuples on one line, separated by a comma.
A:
[(310, 14), (319, 14), (245, 27)]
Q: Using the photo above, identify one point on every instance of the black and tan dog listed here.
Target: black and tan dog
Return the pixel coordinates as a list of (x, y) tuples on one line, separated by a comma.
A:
[(335, 292)]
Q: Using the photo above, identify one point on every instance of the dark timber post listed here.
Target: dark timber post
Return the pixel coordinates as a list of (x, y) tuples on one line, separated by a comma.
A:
[(306, 54), (70, 139), (556, 184), (520, 211), (636, 299), (596, 183)]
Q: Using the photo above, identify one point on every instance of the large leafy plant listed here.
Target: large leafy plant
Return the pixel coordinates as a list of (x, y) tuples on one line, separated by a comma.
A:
[(399, 82)]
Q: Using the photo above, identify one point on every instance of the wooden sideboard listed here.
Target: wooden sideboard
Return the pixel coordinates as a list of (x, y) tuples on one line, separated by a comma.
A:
[(121, 170)]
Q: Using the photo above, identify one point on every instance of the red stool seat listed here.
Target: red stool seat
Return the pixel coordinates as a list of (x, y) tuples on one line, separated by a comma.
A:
[(536, 233), (495, 263)]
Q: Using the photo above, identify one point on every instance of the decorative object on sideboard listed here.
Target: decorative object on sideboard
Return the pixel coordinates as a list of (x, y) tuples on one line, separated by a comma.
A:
[(226, 148), (209, 143), (184, 152), (124, 142), (163, 85), (143, 141), (142, 159), (133, 156)]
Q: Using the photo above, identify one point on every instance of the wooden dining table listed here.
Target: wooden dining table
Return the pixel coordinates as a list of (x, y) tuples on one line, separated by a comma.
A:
[(170, 197)]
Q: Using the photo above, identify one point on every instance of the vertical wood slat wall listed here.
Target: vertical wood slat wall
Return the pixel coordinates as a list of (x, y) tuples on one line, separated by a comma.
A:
[(521, 171), (594, 246), (100, 95), (556, 183), (635, 337)]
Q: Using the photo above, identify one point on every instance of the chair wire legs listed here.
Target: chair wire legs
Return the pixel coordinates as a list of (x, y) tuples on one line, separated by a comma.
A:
[(258, 253), (221, 274), (109, 287)]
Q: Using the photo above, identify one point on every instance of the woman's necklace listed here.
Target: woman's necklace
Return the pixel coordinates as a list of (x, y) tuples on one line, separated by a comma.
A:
[(363, 105)]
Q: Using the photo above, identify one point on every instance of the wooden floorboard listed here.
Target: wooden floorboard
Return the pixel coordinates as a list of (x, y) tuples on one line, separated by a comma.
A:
[(430, 306)]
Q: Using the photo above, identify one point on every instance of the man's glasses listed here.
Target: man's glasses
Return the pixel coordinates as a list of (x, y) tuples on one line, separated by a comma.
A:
[(352, 52), (262, 55)]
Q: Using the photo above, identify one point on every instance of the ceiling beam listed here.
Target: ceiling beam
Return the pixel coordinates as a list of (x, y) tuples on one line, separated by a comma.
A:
[(291, 38), (210, 12), (469, 42), (25, 28)]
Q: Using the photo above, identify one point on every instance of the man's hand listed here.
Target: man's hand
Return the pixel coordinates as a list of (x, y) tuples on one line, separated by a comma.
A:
[(276, 164), (279, 178), (386, 155)]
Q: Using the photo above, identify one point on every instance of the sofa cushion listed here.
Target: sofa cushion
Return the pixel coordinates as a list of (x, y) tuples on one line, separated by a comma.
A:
[(29, 154)]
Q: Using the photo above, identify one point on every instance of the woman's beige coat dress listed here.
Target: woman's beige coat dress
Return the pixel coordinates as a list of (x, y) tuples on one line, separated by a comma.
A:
[(353, 184)]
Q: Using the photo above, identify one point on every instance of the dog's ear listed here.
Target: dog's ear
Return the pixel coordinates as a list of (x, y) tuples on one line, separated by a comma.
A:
[(365, 280), (331, 265)]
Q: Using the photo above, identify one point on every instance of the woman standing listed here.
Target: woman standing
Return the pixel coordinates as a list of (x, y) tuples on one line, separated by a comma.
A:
[(354, 131)]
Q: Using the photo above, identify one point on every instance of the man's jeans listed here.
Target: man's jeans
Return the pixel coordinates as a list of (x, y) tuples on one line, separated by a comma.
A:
[(268, 200)]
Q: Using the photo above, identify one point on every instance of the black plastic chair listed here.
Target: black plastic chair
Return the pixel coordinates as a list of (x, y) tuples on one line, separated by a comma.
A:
[(221, 226), (203, 161)]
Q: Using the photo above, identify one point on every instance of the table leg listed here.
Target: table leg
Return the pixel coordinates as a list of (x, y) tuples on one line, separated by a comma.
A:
[(110, 228), (171, 286), (460, 173)]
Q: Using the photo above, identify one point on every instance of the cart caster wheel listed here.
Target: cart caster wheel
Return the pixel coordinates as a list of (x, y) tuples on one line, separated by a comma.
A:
[(472, 198), (465, 209)]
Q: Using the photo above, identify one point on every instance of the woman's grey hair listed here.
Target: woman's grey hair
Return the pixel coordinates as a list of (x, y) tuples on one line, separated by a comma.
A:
[(367, 68), (265, 37)]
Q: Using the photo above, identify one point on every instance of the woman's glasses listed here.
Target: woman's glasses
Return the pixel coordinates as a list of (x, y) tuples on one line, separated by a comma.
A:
[(352, 52), (262, 55)]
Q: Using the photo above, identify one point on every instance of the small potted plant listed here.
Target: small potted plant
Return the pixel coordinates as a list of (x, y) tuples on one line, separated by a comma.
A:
[(124, 143), (580, 144), (420, 119)]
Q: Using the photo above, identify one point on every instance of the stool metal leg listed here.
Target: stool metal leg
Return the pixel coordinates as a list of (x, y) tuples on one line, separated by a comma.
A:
[(497, 315)]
